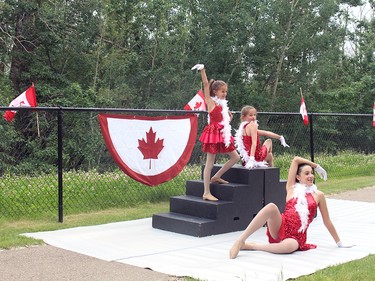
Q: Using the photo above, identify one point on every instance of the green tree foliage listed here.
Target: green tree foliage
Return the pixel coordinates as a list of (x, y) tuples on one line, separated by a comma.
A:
[(138, 54)]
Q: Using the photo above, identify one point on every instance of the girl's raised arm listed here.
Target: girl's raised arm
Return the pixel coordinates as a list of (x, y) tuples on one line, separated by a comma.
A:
[(293, 169), (206, 89), (206, 86)]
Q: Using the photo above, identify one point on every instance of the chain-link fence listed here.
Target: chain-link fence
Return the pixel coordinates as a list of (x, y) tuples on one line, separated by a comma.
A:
[(59, 164)]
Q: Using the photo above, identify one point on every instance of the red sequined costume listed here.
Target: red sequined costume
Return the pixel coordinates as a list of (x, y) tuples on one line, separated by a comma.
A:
[(260, 151), (291, 223), (212, 138)]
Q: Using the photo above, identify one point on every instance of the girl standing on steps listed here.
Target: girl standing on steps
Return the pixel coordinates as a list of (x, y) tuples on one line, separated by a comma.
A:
[(287, 232), (216, 136)]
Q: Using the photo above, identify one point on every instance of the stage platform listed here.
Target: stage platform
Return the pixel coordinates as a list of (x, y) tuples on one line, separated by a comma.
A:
[(137, 243)]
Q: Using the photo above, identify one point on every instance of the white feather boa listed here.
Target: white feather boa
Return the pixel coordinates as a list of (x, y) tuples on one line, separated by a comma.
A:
[(300, 191), (238, 141), (227, 129)]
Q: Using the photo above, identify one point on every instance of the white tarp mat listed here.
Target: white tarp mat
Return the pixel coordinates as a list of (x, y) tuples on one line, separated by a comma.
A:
[(137, 243)]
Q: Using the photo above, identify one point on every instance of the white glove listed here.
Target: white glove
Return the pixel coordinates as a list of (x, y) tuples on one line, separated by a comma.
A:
[(321, 172), (261, 164), (198, 67), (251, 163), (340, 245), (283, 143)]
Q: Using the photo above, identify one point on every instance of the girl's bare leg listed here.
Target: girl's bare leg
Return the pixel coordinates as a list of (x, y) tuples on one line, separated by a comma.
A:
[(269, 214), (206, 177), (269, 157), (234, 158), (286, 246)]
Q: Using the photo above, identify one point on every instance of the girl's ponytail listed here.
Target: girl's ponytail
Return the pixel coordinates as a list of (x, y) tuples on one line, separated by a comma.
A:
[(212, 94)]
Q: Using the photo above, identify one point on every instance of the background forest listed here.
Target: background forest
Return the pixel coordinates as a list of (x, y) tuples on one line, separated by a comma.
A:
[(139, 54)]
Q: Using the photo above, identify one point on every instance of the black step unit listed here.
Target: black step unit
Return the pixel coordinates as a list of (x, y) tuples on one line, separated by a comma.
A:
[(248, 199), (239, 201)]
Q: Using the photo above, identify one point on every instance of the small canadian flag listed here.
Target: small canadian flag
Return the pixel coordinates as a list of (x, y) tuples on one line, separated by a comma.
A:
[(303, 111), (27, 99), (373, 116), (197, 102)]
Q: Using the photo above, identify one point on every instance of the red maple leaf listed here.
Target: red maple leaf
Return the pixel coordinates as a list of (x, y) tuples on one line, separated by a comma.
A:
[(150, 148), (197, 105)]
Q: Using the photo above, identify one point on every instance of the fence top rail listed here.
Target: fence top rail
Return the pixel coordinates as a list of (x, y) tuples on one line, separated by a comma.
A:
[(93, 109), (318, 114)]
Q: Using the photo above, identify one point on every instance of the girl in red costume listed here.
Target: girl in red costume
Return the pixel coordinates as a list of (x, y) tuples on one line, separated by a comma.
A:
[(287, 232), (247, 140), (216, 136)]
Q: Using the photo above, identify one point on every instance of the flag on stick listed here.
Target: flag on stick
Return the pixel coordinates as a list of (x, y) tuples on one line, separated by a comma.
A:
[(197, 102), (373, 116), (27, 99), (303, 111)]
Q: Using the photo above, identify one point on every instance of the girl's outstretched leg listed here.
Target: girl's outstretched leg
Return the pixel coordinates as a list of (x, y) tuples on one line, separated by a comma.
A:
[(206, 177), (286, 246), (234, 158), (269, 214)]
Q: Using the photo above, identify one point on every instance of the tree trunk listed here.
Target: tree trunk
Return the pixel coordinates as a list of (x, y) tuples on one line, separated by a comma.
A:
[(288, 40), (24, 30)]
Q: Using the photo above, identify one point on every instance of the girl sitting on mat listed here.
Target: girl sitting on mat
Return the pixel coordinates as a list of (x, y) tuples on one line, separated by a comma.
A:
[(287, 232)]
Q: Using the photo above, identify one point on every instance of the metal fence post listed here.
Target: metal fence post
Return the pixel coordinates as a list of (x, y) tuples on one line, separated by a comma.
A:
[(311, 137), (60, 164)]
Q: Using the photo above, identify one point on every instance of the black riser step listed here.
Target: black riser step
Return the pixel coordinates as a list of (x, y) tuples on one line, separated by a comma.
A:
[(194, 226), (276, 193), (183, 224), (271, 175), (196, 206), (240, 174), (248, 200), (221, 191)]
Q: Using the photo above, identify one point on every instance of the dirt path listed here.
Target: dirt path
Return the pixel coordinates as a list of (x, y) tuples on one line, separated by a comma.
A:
[(364, 194)]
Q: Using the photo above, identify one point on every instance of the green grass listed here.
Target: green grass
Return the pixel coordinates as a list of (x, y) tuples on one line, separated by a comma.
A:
[(333, 186), (346, 164), (36, 197), (358, 270), (10, 230)]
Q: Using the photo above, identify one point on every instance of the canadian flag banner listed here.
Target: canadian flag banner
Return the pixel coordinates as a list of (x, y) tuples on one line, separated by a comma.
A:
[(373, 116), (151, 150), (197, 102), (27, 98), (303, 112)]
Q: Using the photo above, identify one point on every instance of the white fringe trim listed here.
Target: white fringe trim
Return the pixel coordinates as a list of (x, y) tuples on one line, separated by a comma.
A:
[(300, 191), (227, 129)]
